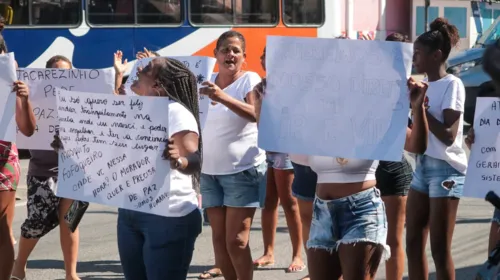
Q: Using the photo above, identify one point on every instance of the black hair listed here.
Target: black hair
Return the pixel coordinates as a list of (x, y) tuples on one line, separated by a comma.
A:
[(3, 45), (57, 58), (442, 36), (231, 34), (180, 85), (398, 37), (491, 61)]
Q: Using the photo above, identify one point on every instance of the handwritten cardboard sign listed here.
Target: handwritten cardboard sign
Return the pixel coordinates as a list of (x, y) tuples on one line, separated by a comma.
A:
[(113, 149), (44, 85), (483, 173), (201, 66), (331, 97), (7, 98)]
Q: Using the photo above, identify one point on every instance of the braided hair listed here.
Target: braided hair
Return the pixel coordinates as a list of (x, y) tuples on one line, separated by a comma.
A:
[(180, 85), (491, 61), (442, 36), (3, 45)]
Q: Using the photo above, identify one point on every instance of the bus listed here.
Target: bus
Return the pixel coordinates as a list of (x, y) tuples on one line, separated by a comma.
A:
[(90, 31)]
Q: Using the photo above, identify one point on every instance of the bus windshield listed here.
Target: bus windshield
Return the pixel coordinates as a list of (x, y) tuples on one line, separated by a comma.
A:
[(491, 35)]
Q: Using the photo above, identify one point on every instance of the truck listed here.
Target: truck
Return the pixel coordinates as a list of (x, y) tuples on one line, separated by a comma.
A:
[(467, 65)]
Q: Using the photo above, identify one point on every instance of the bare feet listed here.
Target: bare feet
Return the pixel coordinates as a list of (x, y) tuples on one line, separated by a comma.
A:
[(266, 260), (297, 265)]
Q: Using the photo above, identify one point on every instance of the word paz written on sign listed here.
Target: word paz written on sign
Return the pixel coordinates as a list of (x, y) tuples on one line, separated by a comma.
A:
[(112, 150), (44, 85), (347, 92), (483, 172), (202, 68), (7, 97)]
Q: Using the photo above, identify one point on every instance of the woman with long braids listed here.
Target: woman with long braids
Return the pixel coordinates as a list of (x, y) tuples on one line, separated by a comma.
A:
[(155, 247), (10, 171), (439, 175), (491, 65)]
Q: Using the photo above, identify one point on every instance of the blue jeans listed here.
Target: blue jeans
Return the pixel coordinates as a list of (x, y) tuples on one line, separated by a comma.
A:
[(243, 189), (154, 247), (278, 161), (437, 178), (357, 218), (304, 182)]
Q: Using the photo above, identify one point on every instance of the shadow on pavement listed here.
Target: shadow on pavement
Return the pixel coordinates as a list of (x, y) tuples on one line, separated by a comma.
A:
[(198, 269), (83, 267), (463, 273), (473, 221)]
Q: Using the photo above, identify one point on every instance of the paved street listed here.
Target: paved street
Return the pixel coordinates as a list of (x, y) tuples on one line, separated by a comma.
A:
[(99, 256)]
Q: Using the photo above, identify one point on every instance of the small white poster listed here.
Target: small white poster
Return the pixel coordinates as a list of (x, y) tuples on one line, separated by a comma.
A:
[(112, 150), (337, 98), (7, 98), (44, 84), (483, 172), (201, 66)]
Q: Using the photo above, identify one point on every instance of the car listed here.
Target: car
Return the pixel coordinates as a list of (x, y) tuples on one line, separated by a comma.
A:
[(467, 65)]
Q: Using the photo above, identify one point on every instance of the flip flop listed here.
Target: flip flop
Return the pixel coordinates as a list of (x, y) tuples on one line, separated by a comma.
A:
[(211, 275), (301, 268), (263, 264), (17, 278)]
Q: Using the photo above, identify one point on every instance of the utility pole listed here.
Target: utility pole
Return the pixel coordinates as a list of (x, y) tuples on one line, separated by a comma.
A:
[(426, 15)]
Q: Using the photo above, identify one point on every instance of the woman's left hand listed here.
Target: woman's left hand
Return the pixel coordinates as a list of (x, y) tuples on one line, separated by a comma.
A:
[(172, 153), (22, 90), (212, 91)]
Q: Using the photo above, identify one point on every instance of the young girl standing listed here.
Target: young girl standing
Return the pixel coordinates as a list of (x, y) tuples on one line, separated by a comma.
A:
[(439, 177)]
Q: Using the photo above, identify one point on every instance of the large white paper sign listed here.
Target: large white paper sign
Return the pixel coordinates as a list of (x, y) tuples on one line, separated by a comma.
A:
[(483, 172), (7, 98), (44, 84), (338, 98), (201, 66), (113, 149)]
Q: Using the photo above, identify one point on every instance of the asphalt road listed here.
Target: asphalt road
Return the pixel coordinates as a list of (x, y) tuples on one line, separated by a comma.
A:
[(98, 258)]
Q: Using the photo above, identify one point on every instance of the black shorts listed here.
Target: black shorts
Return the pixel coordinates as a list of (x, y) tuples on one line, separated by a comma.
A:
[(394, 178)]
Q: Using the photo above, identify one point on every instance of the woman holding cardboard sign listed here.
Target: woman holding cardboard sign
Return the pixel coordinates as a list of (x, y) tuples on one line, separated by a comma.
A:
[(491, 65), (156, 247), (349, 227), (46, 210), (10, 171)]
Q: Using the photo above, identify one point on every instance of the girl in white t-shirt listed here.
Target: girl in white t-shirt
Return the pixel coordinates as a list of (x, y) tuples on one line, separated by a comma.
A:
[(156, 247), (234, 168), (439, 177)]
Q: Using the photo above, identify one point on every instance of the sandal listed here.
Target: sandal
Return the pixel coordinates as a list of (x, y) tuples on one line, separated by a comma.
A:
[(205, 275), (16, 278)]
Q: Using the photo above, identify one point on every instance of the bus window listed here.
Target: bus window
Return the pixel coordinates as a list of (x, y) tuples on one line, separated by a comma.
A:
[(55, 12), (159, 12), (233, 12), (15, 12), (303, 12), (110, 12)]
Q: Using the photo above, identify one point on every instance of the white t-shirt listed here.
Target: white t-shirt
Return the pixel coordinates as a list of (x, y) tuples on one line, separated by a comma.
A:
[(300, 159), (447, 93), (183, 198), (230, 141)]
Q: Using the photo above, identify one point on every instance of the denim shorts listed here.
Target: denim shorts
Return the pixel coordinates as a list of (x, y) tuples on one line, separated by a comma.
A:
[(437, 178), (278, 161), (243, 189), (357, 218), (304, 182), (155, 247), (496, 217)]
